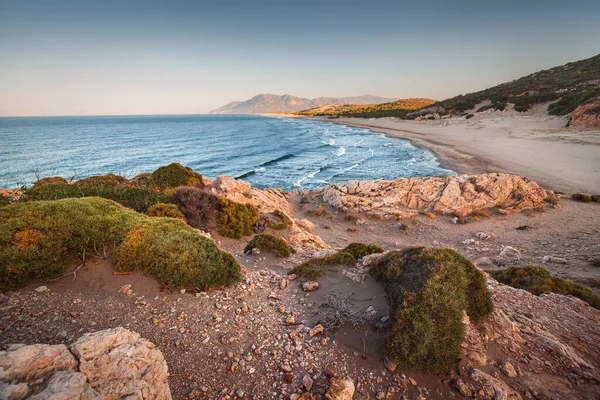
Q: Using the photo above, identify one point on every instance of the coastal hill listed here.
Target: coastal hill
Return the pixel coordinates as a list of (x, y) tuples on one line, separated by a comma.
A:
[(274, 103), (399, 108), (565, 87)]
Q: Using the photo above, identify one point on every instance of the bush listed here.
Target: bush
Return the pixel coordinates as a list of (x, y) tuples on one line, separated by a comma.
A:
[(360, 250), (428, 289), (165, 210), (236, 220), (285, 222), (137, 198), (177, 255), (52, 180), (317, 267), (596, 198), (538, 280), (39, 240), (200, 208), (274, 244), (174, 175), (469, 116), (101, 182), (584, 198)]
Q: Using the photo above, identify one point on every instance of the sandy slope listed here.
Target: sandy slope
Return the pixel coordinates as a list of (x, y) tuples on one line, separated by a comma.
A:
[(533, 145)]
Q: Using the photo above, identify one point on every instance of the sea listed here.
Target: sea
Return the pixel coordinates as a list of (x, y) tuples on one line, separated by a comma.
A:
[(285, 153)]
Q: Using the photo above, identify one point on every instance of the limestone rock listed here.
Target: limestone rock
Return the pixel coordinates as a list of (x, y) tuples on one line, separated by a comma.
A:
[(461, 195), (118, 364), (340, 389), (27, 363), (67, 385), (494, 388), (310, 286)]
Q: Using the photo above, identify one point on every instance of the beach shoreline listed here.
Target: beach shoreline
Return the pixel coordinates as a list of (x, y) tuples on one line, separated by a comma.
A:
[(532, 145)]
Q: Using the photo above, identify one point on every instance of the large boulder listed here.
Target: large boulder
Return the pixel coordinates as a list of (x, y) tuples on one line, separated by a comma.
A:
[(460, 195), (110, 364)]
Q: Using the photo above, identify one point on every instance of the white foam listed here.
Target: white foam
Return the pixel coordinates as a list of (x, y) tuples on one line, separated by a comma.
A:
[(340, 151)]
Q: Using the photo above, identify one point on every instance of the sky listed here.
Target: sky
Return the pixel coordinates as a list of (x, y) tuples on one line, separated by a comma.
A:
[(133, 57)]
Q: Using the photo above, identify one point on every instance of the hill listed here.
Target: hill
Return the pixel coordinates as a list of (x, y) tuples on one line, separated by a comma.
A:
[(567, 87), (274, 103), (399, 108)]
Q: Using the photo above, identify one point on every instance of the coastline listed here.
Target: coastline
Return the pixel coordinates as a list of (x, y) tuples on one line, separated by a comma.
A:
[(535, 146)]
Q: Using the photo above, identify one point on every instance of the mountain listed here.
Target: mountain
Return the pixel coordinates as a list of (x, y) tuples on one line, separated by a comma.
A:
[(399, 108), (567, 87), (273, 103)]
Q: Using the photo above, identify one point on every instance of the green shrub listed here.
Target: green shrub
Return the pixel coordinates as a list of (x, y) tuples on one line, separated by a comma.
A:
[(360, 250), (274, 244), (236, 220), (39, 240), (101, 182), (175, 175), (428, 289), (584, 198), (285, 222), (165, 210), (317, 267), (572, 100), (177, 255), (596, 198), (201, 209), (52, 180), (137, 198), (469, 116), (538, 280)]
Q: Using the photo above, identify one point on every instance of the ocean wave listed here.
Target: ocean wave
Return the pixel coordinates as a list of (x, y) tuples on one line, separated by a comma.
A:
[(340, 151), (298, 183), (261, 167)]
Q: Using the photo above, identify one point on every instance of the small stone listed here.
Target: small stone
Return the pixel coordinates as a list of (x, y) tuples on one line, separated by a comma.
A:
[(292, 277), (41, 289), (316, 330), (389, 364), (482, 235), (182, 291), (508, 369), (307, 382), (310, 286)]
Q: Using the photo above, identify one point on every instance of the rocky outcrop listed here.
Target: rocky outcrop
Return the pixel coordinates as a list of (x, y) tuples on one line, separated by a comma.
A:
[(267, 201), (587, 114), (110, 364), (552, 341), (461, 195)]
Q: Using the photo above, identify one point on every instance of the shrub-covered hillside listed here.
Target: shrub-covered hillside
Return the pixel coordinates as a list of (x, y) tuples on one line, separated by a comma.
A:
[(398, 108), (568, 85)]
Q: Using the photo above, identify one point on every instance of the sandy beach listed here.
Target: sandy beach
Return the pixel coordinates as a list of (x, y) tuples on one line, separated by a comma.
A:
[(534, 145)]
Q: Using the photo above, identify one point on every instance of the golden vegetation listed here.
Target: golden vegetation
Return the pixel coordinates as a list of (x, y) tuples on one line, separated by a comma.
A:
[(394, 109)]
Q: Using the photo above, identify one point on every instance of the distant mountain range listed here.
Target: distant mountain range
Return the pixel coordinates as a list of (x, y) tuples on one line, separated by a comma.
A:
[(273, 103)]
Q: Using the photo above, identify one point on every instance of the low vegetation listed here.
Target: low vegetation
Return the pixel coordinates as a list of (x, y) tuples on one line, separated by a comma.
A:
[(568, 85), (538, 280), (137, 194), (586, 198), (428, 290), (236, 220), (316, 267), (398, 108), (270, 243), (42, 239), (165, 210), (177, 255), (284, 221)]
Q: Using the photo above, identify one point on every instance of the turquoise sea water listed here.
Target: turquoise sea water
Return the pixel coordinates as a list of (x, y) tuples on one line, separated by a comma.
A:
[(268, 152)]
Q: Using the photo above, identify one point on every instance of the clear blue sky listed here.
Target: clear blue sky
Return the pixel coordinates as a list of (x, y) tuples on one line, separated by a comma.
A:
[(159, 57)]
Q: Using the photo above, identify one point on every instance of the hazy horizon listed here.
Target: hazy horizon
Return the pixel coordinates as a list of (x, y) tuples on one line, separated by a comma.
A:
[(67, 58)]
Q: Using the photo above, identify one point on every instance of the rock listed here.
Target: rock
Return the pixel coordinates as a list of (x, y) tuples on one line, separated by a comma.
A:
[(508, 369), (28, 363), (114, 364), (553, 260), (316, 330), (586, 115), (310, 286), (461, 387), (389, 364), (260, 226), (493, 387), (126, 289), (484, 263), (292, 277), (340, 389), (509, 255), (255, 251), (41, 289), (482, 235), (461, 195), (118, 364), (307, 382)]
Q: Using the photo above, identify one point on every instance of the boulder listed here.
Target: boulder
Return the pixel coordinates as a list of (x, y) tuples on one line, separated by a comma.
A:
[(110, 364), (340, 389), (461, 195)]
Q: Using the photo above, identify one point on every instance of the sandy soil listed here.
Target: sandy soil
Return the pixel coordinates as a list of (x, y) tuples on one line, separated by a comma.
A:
[(533, 144)]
